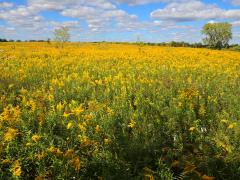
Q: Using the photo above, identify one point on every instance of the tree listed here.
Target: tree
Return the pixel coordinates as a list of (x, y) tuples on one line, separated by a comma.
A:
[(49, 41), (62, 35), (3, 40), (217, 35)]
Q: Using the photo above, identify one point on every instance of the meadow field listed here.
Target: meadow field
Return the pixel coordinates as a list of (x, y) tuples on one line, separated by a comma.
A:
[(118, 111)]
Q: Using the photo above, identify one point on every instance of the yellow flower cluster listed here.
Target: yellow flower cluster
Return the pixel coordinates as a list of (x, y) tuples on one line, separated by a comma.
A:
[(71, 105)]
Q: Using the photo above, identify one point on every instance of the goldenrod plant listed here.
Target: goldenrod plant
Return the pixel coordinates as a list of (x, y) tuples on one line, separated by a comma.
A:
[(86, 112)]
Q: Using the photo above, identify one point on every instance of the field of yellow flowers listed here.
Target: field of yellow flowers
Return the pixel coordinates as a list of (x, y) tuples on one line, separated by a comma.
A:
[(118, 111)]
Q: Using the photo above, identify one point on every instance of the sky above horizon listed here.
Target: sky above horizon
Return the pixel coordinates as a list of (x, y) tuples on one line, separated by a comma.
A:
[(116, 20)]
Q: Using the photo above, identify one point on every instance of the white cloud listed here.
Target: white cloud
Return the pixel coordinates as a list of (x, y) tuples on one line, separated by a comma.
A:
[(98, 19), (97, 13), (4, 5), (7, 31), (212, 21), (61, 5), (22, 16), (236, 23), (141, 2), (194, 10), (166, 25), (70, 24), (138, 2), (236, 2)]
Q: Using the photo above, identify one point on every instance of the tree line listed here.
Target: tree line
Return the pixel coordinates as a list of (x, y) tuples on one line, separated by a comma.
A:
[(31, 40)]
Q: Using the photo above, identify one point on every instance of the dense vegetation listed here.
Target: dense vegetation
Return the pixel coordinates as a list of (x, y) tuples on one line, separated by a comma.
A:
[(112, 111)]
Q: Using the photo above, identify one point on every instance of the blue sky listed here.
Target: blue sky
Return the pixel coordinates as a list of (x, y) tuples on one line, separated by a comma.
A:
[(116, 20)]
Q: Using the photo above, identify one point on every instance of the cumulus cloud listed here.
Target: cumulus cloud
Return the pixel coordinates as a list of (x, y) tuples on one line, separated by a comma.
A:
[(193, 10), (7, 30), (6, 5), (141, 2), (236, 2), (236, 23), (24, 17), (61, 5), (97, 13), (69, 24), (166, 25), (96, 16)]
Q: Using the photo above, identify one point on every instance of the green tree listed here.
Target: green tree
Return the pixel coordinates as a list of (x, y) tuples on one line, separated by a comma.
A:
[(62, 35), (217, 35)]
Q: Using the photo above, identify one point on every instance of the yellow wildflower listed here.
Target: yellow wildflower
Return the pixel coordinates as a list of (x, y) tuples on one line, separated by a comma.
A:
[(224, 121), (28, 144), (55, 151), (41, 118), (23, 91), (6, 161), (16, 169), (132, 124), (32, 105), (10, 134), (87, 117), (189, 80), (40, 155), (98, 82), (66, 115), (69, 153), (106, 141), (97, 129), (10, 86), (191, 128), (60, 106), (51, 149), (11, 114), (205, 177), (82, 127), (109, 110), (148, 173), (38, 178), (231, 126), (202, 110), (226, 147), (75, 163), (77, 111), (180, 104), (36, 138), (69, 125)]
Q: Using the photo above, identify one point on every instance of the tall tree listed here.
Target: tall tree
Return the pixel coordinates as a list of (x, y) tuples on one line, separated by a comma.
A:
[(217, 35), (62, 35)]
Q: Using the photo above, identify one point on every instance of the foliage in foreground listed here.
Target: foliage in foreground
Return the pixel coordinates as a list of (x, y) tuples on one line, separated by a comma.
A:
[(95, 112)]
